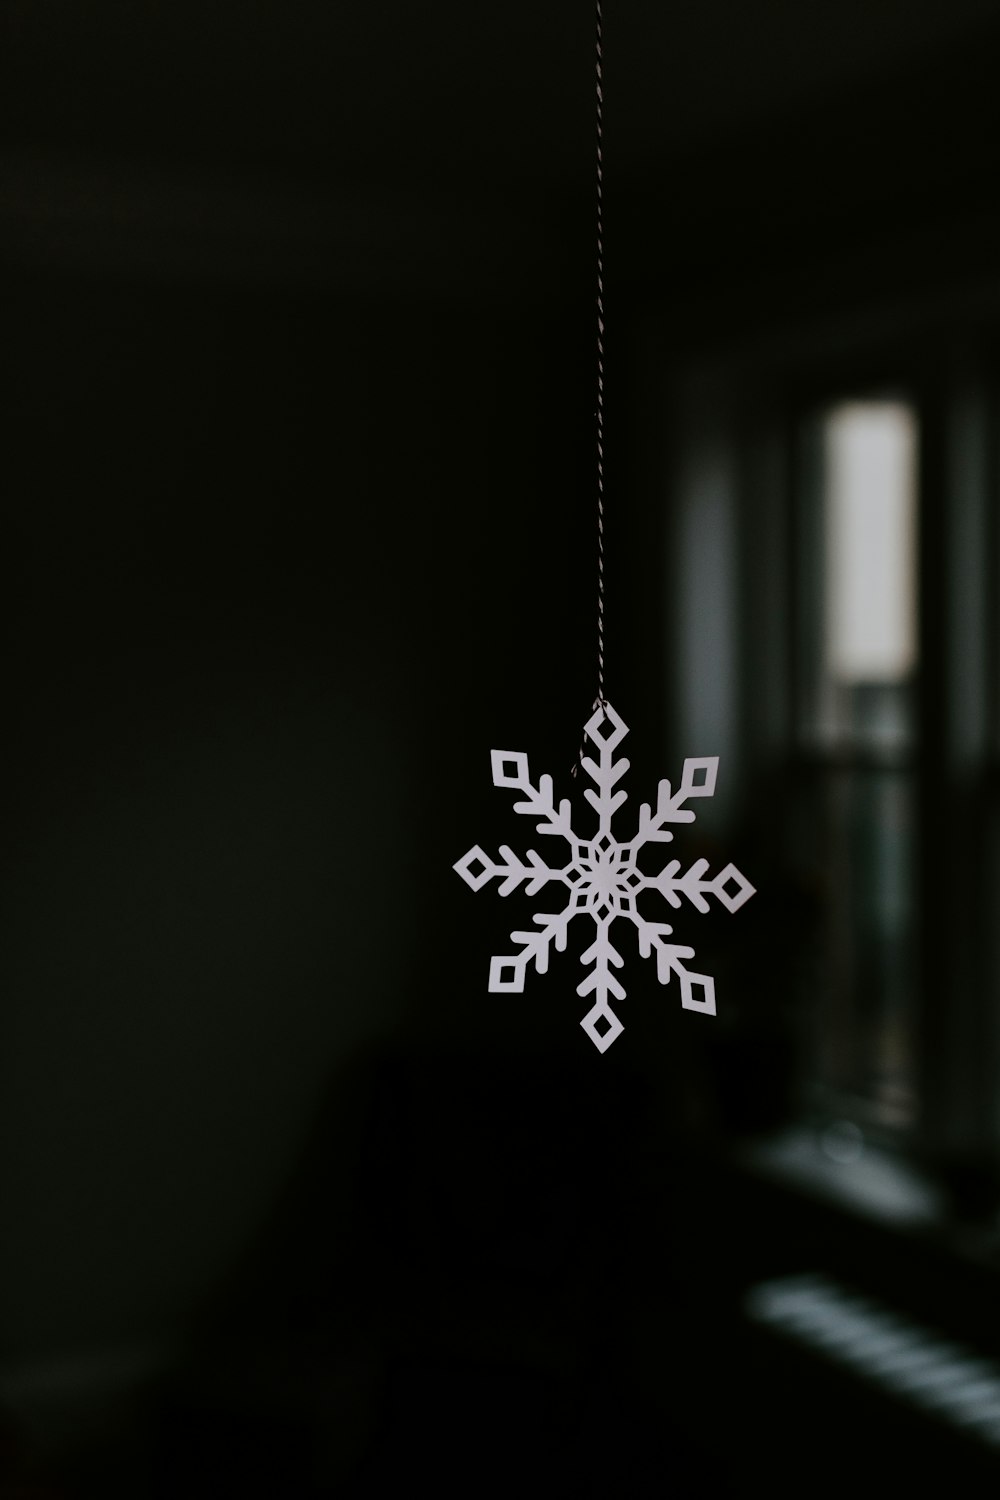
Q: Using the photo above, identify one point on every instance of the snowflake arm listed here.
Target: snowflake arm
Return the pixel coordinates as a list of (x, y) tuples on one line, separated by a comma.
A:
[(507, 971), (697, 780), (513, 870), (602, 955), (537, 800), (605, 773), (672, 884), (652, 937)]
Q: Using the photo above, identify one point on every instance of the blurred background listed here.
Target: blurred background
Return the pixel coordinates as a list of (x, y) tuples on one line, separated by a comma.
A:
[(299, 524)]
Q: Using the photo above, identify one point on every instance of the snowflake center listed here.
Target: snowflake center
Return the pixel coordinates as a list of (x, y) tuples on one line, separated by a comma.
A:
[(604, 868)]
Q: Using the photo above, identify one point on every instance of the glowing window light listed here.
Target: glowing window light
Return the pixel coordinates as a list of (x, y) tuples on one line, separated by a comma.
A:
[(870, 520)]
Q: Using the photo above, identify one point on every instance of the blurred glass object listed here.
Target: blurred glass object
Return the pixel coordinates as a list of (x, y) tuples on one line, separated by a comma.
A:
[(858, 653), (843, 1142)]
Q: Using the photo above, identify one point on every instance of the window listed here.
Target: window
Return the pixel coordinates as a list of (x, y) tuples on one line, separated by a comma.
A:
[(831, 517), (857, 649)]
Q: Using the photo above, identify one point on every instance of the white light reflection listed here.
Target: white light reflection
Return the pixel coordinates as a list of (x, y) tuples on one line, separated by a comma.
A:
[(911, 1362)]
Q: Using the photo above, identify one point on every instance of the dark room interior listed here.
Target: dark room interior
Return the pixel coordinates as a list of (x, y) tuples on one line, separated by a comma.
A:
[(299, 473)]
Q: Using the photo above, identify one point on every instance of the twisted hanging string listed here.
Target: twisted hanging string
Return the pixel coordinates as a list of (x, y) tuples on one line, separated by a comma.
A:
[(600, 701)]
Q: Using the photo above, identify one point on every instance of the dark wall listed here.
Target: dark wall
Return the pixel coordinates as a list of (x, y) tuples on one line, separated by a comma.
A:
[(278, 566)]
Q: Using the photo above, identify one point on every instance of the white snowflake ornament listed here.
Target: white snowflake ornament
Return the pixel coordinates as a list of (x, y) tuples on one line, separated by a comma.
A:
[(602, 878)]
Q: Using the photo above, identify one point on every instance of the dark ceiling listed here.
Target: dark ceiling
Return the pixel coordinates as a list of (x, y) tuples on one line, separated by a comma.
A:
[(397, 91), (327, 136)]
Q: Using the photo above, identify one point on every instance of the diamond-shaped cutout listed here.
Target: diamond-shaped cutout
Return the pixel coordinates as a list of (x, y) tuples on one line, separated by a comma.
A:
[(510, 767), (698, 992), (605, 728), (698, 778), (506, 976), (633, 878), (604, 843), (573, 875), (610, 1027), (603, 912), (732, 888), (475, 868)]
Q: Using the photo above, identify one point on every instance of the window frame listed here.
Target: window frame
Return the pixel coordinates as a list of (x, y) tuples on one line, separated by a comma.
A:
[(948, 373)]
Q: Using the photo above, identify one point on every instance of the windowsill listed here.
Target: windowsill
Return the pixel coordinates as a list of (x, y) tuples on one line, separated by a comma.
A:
[(877, 1185)]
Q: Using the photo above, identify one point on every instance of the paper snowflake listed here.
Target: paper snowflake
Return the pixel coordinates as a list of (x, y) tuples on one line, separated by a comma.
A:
[(603, 879)]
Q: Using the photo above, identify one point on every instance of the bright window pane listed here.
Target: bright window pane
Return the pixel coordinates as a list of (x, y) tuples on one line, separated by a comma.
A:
[(866, 639), (870, 615), (859, 648)]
